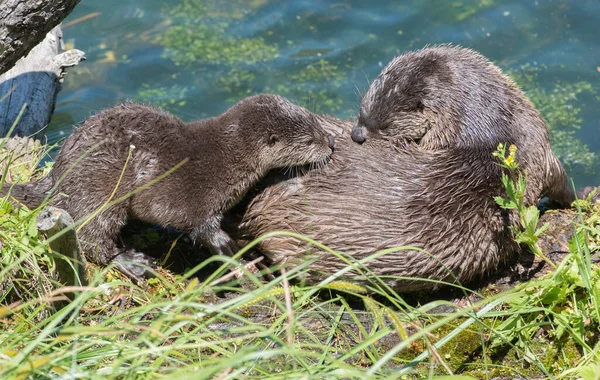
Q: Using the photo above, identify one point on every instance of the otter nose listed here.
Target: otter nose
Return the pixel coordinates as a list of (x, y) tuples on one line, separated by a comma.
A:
[(358, 134), (331, 142)]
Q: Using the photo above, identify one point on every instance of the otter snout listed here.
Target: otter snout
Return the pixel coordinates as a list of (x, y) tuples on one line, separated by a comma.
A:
[(331, 142), (359, 134)]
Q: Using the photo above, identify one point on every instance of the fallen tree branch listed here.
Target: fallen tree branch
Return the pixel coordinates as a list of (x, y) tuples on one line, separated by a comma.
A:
[(25, 23), (35, 81)]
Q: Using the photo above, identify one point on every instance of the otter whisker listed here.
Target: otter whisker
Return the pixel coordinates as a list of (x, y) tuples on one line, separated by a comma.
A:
[(359, 94)]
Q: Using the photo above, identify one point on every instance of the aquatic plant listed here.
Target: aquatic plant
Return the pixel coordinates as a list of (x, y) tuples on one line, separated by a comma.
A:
[(168, 98), (191, 45), (561, 109), (202, 38), (315, 86)]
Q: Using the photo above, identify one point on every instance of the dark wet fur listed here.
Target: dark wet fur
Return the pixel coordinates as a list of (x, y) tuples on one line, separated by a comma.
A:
[(444, 97), (225, 156)]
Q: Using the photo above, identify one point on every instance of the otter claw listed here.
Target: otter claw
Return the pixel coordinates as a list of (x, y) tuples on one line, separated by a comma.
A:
[(135, 265)]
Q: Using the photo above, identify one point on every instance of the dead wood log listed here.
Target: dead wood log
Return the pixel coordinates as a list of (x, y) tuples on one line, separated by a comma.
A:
[(35, 82), (25, 23)]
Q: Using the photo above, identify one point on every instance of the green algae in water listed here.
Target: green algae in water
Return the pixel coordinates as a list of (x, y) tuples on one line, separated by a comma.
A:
[(219, 52), (191, 45), (562, 112), (168, 98), (202, 34), (202, 38), (314, 86), (202, 42)]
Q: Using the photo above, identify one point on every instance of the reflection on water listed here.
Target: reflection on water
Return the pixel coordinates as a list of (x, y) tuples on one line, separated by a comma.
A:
[(196, 57)]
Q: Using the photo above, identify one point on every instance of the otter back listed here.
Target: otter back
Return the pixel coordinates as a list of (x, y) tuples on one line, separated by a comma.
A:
[(374, 197)]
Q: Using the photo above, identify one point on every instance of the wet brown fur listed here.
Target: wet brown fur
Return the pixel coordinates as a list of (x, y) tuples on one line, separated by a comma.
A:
[(225, 156), (375, 196), (445, 97)]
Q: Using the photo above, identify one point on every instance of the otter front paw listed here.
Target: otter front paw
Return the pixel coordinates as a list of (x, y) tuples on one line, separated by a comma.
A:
[(215, 239), (135, 265)]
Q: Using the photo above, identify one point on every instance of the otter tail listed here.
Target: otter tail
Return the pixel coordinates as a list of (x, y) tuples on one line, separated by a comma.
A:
[(31, 194), (557, 186)]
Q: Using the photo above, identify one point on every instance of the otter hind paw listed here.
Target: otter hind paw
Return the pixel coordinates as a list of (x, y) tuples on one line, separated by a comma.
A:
[(136, 265)]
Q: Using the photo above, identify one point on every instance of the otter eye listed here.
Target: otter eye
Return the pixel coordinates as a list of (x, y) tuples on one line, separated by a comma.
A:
[(273, 138), (310, 141)]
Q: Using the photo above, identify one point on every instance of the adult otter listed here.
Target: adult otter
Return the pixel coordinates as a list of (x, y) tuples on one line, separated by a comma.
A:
[(445, 97), (375, 196), (122, 148)]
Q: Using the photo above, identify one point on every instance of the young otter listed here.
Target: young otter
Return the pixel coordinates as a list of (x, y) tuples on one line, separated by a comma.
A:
[(450, 97), (375, 196), (124, 147)]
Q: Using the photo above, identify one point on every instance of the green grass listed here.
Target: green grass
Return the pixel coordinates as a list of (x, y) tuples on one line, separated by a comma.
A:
[(175, 326)]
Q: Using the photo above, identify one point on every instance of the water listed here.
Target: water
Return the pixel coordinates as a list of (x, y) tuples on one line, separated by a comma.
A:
[(197, 61)]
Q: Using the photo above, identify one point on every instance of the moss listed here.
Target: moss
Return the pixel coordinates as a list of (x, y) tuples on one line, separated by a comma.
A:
[(464, 354)]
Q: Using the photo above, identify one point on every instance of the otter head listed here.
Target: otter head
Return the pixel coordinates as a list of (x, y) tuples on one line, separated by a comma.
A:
[(289, 135), (405, 100)]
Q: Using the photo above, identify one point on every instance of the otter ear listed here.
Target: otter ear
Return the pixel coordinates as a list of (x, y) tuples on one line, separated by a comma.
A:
[(273, 138), (420, 106)]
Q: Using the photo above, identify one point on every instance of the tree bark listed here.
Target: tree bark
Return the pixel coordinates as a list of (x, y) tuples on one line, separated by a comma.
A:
[(25, 23)]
